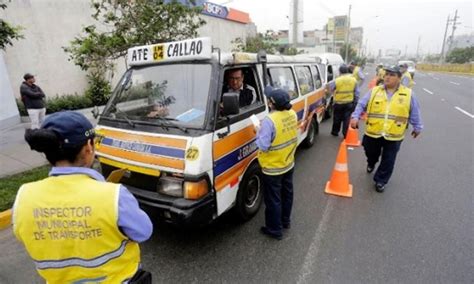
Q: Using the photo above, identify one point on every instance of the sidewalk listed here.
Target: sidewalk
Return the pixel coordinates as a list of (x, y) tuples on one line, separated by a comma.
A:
[(15, 153)]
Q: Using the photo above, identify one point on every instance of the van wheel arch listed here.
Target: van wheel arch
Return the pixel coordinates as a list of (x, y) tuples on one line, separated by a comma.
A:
[(250, 193)]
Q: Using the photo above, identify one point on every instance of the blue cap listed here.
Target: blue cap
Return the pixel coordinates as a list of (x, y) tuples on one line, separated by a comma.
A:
[(279, 98), (73, 128), (394, 69)]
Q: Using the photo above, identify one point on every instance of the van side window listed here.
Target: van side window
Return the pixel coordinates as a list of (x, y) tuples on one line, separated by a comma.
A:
[(282, 78), (330, 74), (316, 77), (242, 80), (304, 79)]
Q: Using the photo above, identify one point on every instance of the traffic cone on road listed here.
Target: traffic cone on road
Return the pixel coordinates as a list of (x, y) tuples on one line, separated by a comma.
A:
[(352, 137), (339, 182)]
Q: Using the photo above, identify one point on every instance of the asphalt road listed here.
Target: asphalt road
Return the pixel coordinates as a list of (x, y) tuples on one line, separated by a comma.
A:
[(420, 230)]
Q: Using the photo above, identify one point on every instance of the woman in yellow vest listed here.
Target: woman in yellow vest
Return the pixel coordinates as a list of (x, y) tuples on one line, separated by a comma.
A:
[(346, 94), (76, 227), (406, 80), (390, 107), (277, 141)]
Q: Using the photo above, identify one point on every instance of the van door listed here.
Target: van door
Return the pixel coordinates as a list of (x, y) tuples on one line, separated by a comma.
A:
[(234, 148)]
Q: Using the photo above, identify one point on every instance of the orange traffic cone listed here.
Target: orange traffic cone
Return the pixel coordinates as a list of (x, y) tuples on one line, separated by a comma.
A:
[(352, 137), (339, 182)]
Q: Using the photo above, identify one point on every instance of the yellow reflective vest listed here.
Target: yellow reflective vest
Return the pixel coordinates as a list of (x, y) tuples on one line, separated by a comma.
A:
[(68, 225), (345, 87), (388, 118), (280, 157), (381, 73), (410, 79), (355, 73)]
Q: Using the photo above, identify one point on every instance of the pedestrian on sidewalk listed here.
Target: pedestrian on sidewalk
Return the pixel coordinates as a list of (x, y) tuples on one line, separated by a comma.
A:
[(346, 94), (33, 98), (277, 141), (390, 107), (77, 227)]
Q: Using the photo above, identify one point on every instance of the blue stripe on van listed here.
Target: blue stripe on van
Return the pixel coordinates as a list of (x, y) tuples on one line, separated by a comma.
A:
[(234, 157), (144, 148)]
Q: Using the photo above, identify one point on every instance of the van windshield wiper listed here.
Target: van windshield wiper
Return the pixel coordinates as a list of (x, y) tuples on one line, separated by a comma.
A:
[(166, 122), (125, 116)]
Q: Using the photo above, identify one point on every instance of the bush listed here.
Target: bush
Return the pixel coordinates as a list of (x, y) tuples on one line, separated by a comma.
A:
[(59, 103), (99, 89)]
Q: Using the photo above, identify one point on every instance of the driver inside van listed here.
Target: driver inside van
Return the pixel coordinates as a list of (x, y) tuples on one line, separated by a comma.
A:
[(235, 84)]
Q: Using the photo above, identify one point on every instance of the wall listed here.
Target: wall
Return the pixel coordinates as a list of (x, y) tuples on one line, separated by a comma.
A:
[(51, 24), (8, 111)]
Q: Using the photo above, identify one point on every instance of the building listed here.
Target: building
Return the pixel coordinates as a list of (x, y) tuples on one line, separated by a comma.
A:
[(49, 25)]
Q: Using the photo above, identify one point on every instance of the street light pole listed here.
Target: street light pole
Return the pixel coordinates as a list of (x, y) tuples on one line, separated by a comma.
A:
[(347, 33)]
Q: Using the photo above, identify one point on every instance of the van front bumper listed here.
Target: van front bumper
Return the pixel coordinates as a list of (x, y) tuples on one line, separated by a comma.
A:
[(179, 211)]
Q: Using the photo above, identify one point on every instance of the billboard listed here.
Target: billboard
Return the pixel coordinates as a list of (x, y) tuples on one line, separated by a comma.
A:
[(340, 28), (223, 12)]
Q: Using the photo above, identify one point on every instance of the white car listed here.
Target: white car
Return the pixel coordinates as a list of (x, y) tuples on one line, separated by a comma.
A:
[(411, 67)]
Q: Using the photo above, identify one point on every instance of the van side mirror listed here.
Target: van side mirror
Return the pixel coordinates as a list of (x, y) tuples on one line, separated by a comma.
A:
[(230, 102)]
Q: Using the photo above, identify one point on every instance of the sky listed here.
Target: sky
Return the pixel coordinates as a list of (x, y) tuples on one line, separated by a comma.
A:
[(387, 24)]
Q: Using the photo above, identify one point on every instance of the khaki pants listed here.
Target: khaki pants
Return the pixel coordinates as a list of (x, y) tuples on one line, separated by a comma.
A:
[(36, 117)]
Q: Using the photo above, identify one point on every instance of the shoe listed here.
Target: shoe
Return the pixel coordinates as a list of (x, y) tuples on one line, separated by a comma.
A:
[(265, 231), (334, 134), (379, 187), (370, 169), (286, 226)]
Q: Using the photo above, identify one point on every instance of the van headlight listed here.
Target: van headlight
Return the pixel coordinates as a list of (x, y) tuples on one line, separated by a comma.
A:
[(171, 186)]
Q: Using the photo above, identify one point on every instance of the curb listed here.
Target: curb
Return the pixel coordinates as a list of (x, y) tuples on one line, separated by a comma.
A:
[(5, 219)]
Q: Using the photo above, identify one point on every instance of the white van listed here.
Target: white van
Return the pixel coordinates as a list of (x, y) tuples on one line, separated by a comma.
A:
[(189, 155)]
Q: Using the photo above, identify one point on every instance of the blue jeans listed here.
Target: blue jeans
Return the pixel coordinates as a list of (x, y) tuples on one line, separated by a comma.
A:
[(373, 148), (278, 197)]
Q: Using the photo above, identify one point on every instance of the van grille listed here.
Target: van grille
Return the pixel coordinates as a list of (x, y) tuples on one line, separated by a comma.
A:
[(135, 179)]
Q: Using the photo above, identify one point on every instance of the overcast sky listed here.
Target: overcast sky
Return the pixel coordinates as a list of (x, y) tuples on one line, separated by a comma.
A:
[(387, 24)]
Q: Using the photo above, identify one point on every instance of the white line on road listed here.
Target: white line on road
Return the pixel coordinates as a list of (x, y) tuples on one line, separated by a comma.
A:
[(465, 112), (428, 91), (435, 78), (310, 259), (457, 84), (443, 100)]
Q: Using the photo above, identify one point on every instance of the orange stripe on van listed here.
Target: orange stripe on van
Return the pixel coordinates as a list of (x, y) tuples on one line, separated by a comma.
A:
[(233, 173), (142, 158), (315, 97), (233, 141), (162, 141)]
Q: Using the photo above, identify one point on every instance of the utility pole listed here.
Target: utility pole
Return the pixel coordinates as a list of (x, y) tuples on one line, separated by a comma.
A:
[(347, 33), (418, 47), (454, 28), (441, 58), (295, 23)]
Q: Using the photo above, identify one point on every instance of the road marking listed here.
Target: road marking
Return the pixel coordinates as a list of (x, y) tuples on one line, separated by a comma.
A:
[(435, 78), (465, 112), (457, 84), (443, 100), (310, 259), (428, 91)]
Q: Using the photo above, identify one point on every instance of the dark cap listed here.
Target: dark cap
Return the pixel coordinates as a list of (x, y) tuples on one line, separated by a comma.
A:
[(72, 127), (343, 69), (28, 76), (404, 65), (279, 98), (394, 69)]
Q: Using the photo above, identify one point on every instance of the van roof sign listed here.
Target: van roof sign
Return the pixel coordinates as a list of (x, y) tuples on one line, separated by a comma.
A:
[(197, 49)]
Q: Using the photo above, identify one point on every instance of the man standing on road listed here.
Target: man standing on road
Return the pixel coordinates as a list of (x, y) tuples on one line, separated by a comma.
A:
[(357, 73), (277, 141), (33, 99), (407, 80), (346, 94), (390, 108)]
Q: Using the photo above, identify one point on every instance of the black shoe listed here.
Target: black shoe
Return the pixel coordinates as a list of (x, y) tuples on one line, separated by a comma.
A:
[(370, 169), (265, 231), (334, 134), (379, 187), (286, 226)]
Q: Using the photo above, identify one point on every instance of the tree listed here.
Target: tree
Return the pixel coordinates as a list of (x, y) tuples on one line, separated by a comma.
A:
[(461, 55), (7, 31), (265, 41), (126, 24), (351, 54)]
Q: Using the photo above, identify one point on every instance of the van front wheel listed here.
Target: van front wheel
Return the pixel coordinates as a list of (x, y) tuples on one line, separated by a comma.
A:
[(313, 130), (249, 197)]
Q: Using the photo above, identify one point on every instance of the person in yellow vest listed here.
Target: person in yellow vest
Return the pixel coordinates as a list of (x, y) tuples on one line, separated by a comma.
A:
[(390, 108), (77, 227), (346, 94), (277, 141), (357, 73), (406, 80)]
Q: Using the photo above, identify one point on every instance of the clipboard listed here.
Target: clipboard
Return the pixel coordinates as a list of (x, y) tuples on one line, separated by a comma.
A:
[(116, 175)]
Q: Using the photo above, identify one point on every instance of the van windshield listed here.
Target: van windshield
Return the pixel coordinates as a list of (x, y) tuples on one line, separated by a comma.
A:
[(173, 95)]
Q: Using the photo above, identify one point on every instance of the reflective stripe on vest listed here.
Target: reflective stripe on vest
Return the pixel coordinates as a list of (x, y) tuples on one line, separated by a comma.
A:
[(388, 118), (280, 156), (68, 225), (345, 86)]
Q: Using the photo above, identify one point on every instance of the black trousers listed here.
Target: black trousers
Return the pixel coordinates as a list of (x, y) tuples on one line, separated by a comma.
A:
[(278, 197), (342, 115), (376, 147)]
